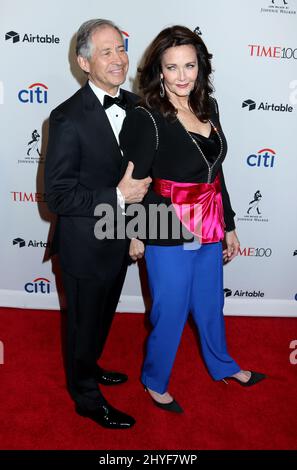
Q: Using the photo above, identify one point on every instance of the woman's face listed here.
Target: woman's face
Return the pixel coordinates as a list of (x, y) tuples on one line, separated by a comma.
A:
[(179, 66)]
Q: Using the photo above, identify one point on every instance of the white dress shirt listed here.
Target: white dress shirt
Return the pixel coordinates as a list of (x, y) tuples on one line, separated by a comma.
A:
[(115, 113), (116, 116)]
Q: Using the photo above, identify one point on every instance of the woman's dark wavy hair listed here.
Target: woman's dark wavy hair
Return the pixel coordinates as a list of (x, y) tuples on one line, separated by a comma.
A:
[(149, 73)]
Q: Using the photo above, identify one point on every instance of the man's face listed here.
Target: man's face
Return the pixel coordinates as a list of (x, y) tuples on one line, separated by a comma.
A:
[(108, 65)]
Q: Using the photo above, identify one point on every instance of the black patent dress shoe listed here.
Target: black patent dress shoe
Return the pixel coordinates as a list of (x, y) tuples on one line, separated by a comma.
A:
[(107, 416), (172, 406), (254, 379), (106, 377)]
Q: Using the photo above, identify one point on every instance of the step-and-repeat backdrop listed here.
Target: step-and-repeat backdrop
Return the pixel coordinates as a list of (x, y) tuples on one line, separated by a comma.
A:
[(254, 46)]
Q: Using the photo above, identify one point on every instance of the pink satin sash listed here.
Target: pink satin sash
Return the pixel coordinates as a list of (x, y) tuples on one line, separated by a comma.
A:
[(197, 205)]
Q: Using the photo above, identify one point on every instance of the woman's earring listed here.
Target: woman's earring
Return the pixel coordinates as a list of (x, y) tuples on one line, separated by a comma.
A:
[(162, 89)]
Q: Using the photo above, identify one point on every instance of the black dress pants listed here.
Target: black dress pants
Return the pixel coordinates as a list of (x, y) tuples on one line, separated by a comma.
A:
[(91, 305)]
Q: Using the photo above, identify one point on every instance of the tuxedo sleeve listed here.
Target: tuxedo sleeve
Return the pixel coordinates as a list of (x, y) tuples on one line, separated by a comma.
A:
[(228, 211), (65, 195), (138, 142)]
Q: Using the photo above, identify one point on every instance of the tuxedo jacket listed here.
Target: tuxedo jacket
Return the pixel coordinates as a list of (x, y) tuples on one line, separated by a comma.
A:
[(82, 170)]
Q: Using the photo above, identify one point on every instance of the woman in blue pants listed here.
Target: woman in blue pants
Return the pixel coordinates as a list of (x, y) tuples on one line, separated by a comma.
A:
[(174, 135)]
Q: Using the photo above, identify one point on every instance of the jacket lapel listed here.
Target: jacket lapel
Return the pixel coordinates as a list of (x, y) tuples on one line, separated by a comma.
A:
[(131, 99), (99, 120)]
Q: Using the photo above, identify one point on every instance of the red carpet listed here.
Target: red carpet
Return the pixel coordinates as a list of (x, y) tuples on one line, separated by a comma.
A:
[(36, 412)]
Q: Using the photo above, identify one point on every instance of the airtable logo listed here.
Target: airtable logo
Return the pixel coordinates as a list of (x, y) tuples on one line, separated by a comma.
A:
[(35, 93), (251, 105), (32, 38), (242, 293), (12, 35), (21, 243)]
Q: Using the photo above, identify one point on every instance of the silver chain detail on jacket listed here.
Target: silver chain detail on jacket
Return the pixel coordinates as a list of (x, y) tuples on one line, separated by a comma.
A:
[(210, 167), (154, 122)]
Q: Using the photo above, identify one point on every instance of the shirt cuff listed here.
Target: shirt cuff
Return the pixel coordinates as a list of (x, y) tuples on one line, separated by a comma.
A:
[(121, 200)]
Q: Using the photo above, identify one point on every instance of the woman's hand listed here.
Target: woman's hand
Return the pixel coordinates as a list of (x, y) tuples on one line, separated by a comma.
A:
[(232, 246), (136, 249)]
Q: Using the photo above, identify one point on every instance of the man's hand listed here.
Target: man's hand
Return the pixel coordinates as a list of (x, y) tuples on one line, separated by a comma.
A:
[(133, 190), (232, 248), (136, 250)]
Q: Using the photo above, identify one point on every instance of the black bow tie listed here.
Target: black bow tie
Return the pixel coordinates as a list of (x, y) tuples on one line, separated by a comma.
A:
[(118, 100)]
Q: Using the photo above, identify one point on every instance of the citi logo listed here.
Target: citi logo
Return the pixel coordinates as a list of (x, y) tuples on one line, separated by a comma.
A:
[(126, 40), (20, 196), (265, 158), (35, 93), (40, 285), (255, 252), (31, 38), (251, 105)]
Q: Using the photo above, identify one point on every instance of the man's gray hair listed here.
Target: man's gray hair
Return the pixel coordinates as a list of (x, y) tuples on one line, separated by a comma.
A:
[(84, 35)]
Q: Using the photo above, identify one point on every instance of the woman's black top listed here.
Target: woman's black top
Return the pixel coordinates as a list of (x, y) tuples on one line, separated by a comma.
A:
[(170, 154)]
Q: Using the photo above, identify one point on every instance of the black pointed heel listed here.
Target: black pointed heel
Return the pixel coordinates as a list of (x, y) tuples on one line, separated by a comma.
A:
[(173, 406), (253, 380)]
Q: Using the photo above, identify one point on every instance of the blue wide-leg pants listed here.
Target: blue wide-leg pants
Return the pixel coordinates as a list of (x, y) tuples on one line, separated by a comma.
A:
[(181, 281)]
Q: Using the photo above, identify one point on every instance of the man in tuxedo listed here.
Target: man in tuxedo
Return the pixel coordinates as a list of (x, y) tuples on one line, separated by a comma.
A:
[(82, 171)]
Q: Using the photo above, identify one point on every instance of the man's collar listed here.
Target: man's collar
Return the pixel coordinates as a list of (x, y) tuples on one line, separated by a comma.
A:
[(101, 93)]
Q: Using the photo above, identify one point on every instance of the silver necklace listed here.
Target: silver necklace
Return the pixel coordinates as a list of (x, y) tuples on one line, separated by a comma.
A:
[(210, 167)]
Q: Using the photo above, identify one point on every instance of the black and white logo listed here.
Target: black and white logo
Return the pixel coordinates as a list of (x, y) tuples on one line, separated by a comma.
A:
[(254, 204), (19, 242), (33, 145), (251, 105), (278, 7), (244, 293), (253, 211), (197, 30), (33, 149), (12, 35), (31, 38), (227, 292)]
